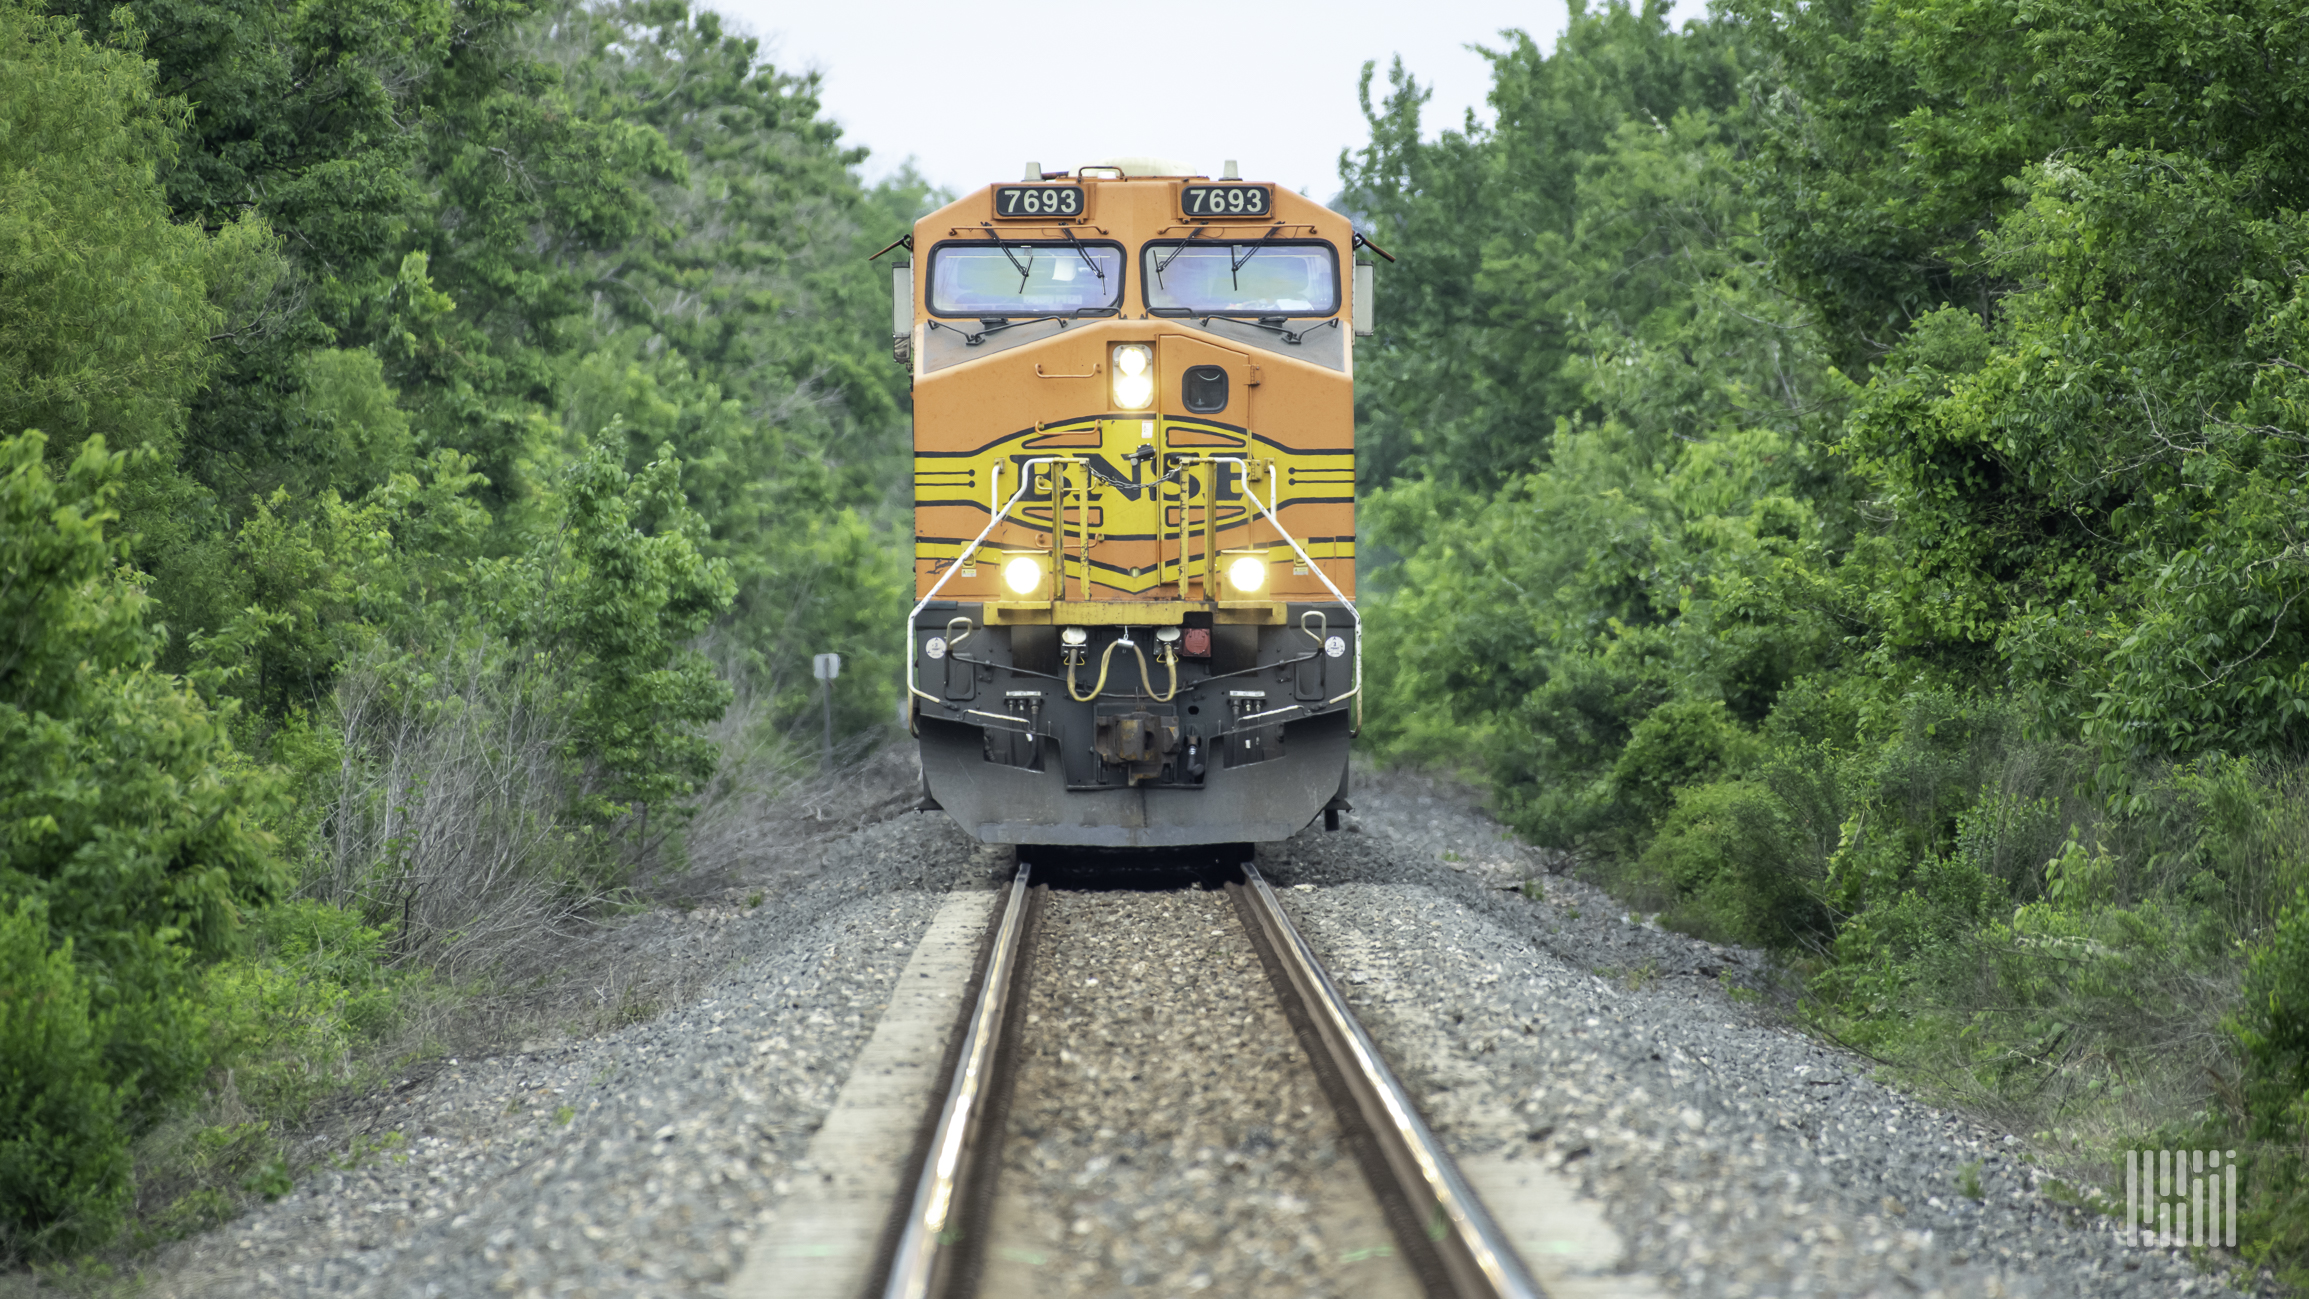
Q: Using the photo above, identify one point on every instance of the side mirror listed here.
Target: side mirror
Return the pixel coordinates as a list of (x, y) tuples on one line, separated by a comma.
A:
[(1366, 321), (902, 312)]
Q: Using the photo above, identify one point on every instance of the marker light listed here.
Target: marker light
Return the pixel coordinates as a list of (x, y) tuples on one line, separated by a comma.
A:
[(1247, 573), (1023, 575), (1133, 376), (1075, 636)]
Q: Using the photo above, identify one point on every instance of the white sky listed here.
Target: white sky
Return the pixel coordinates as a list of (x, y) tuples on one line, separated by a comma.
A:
[(973, 91)]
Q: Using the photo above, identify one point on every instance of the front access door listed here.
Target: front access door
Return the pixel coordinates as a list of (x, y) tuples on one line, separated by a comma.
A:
[(1209, 394), (1206, 393)]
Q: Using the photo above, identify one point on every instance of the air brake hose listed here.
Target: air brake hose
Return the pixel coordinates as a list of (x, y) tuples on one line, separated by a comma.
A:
[(1103, 661), (1106, 660), (1168, 656)]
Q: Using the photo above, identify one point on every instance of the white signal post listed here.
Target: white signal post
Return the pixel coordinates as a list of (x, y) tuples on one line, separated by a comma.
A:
[(825, 667)]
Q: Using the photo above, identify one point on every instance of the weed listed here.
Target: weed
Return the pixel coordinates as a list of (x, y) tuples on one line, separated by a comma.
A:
[(2092, 1198), (271, 1179), (753, 899), (563, 1114), (634, 1010), (364, 1148), (1634, 978), (1968, 1180)]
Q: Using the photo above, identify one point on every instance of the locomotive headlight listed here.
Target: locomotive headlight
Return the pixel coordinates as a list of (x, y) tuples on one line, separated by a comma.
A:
[(1023, 574), (1247, 573), (1133, 376)]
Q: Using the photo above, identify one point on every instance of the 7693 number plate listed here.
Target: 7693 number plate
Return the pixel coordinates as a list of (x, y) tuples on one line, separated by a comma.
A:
[(1038, 201), (1226, 200)]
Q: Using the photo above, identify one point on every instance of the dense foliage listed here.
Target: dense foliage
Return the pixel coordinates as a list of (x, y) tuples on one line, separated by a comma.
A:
[(417, 418), (1840, 465), (1847, 464)]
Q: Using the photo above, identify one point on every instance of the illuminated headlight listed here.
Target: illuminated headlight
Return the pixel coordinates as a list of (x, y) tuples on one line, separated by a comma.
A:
[(1133, 376), (1247, 573), (1023, 574)]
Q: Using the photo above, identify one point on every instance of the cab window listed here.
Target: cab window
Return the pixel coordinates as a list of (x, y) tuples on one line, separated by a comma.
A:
[(1015, 278), (1255, 279)]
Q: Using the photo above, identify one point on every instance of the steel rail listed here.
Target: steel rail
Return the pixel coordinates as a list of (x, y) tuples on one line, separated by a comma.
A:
[(923, 1258), (1475, 1252)]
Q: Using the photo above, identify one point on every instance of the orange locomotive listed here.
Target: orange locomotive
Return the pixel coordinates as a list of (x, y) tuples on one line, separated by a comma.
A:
[(1134, 505)]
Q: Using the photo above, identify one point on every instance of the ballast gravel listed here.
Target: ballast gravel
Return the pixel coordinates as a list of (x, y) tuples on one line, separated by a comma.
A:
[(1737, 1157), (636, 1163), (1167, 1134), (1531, 1017)]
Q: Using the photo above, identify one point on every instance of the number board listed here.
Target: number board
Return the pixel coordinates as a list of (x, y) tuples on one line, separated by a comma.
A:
[(1038, 201), (1226, 200)]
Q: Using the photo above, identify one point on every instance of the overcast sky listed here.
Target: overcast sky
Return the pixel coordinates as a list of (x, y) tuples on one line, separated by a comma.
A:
[(971, 92)]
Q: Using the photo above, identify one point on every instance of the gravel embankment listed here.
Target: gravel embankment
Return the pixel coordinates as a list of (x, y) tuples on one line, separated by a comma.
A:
[(1168, 1135), (1736, 1156), (635, 1163)]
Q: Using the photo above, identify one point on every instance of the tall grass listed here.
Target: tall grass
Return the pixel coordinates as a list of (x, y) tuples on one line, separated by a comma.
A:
[(446, 817)]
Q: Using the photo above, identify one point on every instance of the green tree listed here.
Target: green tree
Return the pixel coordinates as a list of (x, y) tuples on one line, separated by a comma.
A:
[(106, 302), (1506, 254), (125, 813), (745, 327), (64, 1167), (2088, 455), (621, 591), (1664, 549), (1890, 134)]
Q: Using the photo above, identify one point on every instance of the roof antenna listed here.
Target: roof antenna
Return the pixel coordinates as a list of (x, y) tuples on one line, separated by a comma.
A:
[(1230, 171), (1034, 171)]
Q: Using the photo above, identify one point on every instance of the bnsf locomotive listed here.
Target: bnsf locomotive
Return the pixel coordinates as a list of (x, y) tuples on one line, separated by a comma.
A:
[(1134, 505)]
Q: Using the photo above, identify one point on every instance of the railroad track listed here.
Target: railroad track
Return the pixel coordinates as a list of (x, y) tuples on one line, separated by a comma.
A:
[(1442, 1231)]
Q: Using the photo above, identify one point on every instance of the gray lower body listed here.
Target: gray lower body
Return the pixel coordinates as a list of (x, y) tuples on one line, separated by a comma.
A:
[(1250, 747)]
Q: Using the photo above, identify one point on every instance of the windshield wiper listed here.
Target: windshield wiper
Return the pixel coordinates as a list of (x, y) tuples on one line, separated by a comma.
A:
[(1268, 323), (1164, 263), (996, 324), (1084, 253), (1235, 266), (1026, 272)]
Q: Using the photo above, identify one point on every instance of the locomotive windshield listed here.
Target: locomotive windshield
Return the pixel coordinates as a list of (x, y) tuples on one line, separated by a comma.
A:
[(1261, 279), (1014, 278)]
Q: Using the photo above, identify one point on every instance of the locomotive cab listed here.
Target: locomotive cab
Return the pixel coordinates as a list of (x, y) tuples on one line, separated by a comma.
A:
[(1134, 473)]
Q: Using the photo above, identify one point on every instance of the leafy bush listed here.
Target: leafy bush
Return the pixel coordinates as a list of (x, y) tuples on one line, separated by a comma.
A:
[(291, 1014), (1682, 744), (618, 591), (124, 808), (1734, 870), (2271, 1030), (64, 1169)]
